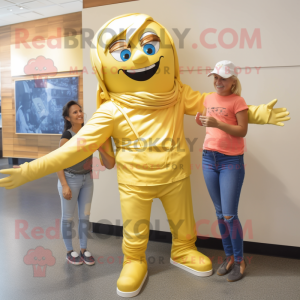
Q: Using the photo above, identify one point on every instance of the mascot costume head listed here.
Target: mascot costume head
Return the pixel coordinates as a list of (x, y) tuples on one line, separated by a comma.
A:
[(138, 60)]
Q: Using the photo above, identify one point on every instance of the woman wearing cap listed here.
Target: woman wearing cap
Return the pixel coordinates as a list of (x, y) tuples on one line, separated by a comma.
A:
[(226, 120)]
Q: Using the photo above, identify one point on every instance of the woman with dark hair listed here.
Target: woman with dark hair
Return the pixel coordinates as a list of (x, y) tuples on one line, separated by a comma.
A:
[(75, 185)]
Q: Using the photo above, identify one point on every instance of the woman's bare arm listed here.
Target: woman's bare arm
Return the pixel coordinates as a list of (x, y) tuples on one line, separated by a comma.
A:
[(239, 130), (106, 151), (61, 174), (67, 193)]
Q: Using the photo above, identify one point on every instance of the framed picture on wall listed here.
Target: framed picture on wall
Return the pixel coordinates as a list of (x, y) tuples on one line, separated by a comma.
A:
[(39, 104)]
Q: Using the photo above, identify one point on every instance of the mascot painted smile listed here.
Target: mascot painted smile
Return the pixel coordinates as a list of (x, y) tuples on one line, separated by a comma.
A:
[(141, 104)]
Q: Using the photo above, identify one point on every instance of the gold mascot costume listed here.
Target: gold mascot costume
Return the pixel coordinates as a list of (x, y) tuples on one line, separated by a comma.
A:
[(141, 104)]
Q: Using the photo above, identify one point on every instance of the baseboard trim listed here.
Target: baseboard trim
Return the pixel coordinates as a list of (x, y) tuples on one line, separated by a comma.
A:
[(204, 242)]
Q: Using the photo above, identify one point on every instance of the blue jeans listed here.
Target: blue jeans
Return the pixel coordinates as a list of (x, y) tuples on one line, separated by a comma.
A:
[(224, 176), (82, 187)]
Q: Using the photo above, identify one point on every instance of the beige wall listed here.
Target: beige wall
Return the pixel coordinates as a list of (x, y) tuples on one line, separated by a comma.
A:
[(270, 201)]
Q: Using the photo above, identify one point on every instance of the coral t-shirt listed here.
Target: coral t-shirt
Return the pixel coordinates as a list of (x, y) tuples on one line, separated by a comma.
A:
[(224, 109)]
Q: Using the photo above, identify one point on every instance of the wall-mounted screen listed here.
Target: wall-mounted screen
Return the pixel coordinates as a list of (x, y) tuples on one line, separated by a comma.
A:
[(39, 104)]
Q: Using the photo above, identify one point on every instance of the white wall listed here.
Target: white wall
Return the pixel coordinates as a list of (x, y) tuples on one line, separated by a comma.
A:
[(270, 201)]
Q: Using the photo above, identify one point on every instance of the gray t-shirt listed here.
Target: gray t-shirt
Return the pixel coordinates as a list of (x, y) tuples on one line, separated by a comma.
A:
[(84, 166)]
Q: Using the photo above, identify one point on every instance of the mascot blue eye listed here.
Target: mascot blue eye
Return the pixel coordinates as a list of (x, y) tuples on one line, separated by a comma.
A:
[(121, 54), (125, 55), (149, 49)]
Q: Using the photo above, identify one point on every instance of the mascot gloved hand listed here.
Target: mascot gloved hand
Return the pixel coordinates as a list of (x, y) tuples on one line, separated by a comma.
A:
[(141, 103), (15, 179), (277, 115)]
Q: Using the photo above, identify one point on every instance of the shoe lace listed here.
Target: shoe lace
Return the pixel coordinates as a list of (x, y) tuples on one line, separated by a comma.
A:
[(225, 261), (236, 263)]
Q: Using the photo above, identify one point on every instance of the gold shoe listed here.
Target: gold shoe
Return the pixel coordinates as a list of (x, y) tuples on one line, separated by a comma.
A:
[(132, 278), (193, 262)]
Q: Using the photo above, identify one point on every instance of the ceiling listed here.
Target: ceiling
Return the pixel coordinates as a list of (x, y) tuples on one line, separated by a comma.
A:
[(18, 11)]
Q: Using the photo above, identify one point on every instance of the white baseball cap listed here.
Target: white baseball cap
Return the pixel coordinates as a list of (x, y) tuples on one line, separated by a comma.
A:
[(224, 68)]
